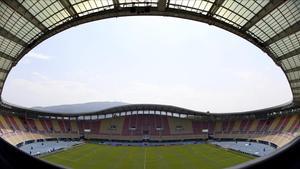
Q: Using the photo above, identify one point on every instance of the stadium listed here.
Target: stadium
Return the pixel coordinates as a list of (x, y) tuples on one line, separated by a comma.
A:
[(165, 135)]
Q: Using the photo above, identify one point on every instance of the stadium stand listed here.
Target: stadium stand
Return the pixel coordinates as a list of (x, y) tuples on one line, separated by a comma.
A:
[(134, 124), (252, 148), (38, 148), (278, 130)]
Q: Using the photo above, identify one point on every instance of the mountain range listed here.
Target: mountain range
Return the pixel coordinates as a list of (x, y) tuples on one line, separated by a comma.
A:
[(80, 108)]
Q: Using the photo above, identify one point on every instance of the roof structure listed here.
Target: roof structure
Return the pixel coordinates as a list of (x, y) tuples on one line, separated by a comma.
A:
[(271, 25)]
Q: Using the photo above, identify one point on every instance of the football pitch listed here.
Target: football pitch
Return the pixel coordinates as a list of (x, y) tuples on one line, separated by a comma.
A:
[(197, 156)]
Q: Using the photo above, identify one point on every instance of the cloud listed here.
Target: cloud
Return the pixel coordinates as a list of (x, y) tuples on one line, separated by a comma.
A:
[(35, 55), (45, 91), (39, 76)]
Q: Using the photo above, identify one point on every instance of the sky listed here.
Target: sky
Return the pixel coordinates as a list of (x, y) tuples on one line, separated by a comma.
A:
[(146, 59)]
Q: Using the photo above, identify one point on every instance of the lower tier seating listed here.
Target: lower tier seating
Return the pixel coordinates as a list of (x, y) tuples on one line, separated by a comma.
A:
[(279, 130)]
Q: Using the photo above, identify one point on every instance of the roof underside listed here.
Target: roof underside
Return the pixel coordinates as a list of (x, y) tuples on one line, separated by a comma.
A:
[(273, 26)]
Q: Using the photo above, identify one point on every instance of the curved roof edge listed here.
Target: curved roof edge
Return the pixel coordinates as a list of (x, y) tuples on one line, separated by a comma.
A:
[(286, 108)]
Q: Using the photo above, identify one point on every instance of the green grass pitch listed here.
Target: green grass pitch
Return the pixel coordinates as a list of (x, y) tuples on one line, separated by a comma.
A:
[(198, 156)]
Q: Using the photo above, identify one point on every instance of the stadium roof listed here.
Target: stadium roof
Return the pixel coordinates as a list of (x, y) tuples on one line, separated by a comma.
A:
[(273, 26)]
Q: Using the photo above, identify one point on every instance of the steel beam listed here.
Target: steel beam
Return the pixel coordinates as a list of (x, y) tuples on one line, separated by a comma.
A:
[(162, 5), (288, 55), (294, 81), (273, 4), (292, 70), (6, 34), (19, 8), (68, 6), (288, 31), (3, 70), (296, 92), (296, 88), (8, 57), (214, 8), (116, 4)]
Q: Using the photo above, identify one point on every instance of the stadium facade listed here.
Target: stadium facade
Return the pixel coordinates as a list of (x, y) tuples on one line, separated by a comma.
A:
[(273, 26)]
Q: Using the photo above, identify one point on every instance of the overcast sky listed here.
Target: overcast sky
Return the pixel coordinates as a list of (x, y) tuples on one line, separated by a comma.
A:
[(158, 60)]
